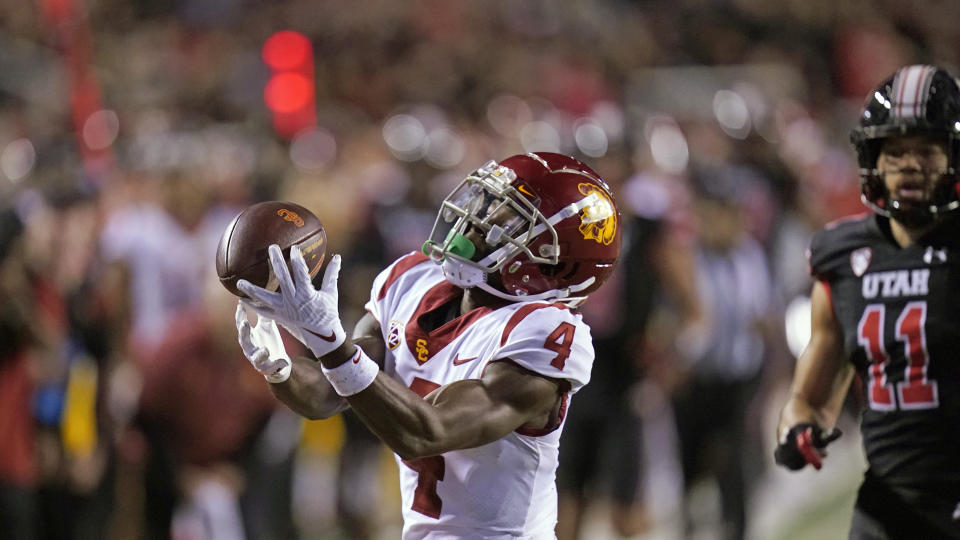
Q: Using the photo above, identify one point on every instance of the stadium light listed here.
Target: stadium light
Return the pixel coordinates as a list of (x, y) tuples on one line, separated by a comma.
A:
[(290, 92)]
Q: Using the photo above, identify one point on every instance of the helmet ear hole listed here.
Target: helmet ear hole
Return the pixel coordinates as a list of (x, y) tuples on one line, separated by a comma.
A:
[(563, 270), (550, 270), (875, 191)]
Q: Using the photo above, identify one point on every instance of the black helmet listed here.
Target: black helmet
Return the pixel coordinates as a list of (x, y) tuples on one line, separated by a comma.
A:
[(916, 100)]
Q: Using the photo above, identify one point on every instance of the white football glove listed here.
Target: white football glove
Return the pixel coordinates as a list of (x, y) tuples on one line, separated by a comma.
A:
[(312, 316), (263, 347)]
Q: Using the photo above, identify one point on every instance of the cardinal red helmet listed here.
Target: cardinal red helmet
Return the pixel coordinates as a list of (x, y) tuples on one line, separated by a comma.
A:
[(545, 224)]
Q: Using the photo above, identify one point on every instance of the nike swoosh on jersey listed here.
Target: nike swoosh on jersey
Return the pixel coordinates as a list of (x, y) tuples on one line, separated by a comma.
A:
[(457, 360), (331, 338)]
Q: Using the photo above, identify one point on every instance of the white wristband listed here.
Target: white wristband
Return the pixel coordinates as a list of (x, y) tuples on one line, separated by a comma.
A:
[(354, 375)]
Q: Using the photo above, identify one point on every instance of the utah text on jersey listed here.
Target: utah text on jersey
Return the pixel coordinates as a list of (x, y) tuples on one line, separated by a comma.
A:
[(896, 283)]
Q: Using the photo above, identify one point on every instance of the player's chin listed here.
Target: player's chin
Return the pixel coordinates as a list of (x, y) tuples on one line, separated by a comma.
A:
[(913, 214)]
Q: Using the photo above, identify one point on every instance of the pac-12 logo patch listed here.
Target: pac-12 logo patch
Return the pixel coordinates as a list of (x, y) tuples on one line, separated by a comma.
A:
[(860, 260), (393, 334)]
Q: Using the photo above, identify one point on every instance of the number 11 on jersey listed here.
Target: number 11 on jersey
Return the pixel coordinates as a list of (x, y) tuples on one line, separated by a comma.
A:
[(916, 391)]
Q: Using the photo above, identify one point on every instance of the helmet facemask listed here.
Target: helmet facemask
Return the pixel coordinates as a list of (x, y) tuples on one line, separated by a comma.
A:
[(487, 204), (943, 195)]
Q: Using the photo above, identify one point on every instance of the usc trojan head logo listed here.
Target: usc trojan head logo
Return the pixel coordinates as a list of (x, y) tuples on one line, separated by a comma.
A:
[(599, 220), (291, 216)]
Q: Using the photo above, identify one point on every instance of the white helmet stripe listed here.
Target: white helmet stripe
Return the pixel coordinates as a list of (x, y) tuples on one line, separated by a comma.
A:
[(570, 210), (910, 89)]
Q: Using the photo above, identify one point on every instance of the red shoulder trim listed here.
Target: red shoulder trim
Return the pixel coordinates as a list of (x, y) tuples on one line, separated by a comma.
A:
[(548, 429), (522, 313), (561, 414), (423, 345), (845, 219), (405, 263), (422, 387)]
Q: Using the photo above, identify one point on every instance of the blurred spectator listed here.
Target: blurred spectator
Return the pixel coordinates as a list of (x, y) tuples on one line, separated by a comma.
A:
[(203, 415), (361, 177), (76, 431), (181, 86), (602, 452), (723, 371), (18, 454), (163, 238), (57, 456)]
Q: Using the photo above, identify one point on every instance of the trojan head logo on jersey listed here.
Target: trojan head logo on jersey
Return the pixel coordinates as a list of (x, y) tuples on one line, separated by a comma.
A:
[(394, 331), (599, 220)]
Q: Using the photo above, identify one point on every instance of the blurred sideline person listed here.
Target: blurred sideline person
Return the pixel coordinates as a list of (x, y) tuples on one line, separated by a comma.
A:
[(479, 346), (345, 217), (18, 339), (883, 308), (722, 367), (53, 459), (602, 452), (207, 424)]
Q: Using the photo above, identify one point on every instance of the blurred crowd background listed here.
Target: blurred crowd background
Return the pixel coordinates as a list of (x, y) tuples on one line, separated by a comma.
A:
[(132, 131)]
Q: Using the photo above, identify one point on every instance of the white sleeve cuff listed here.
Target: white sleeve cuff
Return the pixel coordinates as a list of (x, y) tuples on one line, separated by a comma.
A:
[(354, 375)]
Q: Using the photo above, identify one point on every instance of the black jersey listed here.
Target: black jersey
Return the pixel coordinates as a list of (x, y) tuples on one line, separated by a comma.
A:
[(899, 309)]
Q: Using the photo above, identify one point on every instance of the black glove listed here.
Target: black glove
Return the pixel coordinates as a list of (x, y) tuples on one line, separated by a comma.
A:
[(804, 443)]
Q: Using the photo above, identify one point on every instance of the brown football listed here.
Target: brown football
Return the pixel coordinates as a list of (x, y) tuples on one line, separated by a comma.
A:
[(242, 253)]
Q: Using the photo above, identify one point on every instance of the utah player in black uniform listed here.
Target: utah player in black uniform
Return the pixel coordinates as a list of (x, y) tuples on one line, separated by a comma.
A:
[(884, 307)]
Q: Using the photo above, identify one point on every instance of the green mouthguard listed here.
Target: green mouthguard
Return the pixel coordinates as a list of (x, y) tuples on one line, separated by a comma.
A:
[(459, 245)]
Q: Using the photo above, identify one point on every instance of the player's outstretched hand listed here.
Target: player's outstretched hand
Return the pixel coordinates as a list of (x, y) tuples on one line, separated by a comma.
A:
[(312, 316), (803, 444), (263, 347)]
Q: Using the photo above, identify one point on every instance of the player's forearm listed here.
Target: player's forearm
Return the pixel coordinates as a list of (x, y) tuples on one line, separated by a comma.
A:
[(818, 403), (307, 391), (799, 411), (407, 424), (823, 375), (462, 414)]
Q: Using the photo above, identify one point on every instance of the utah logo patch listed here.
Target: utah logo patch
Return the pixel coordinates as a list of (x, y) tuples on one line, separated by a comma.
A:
[(860, 260), (393, 334)]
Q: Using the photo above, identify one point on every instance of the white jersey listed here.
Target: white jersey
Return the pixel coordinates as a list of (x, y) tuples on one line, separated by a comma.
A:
[(504, 489)]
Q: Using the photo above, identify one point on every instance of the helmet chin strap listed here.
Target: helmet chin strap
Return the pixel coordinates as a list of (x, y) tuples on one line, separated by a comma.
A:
[(560, 295), (462, 275), (933, 211), (467, 277), (893, 207)]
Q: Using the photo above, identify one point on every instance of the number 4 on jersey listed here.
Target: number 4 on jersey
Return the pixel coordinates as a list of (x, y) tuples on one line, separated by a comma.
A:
[(430, 470), (915, 391), (560, 341)]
